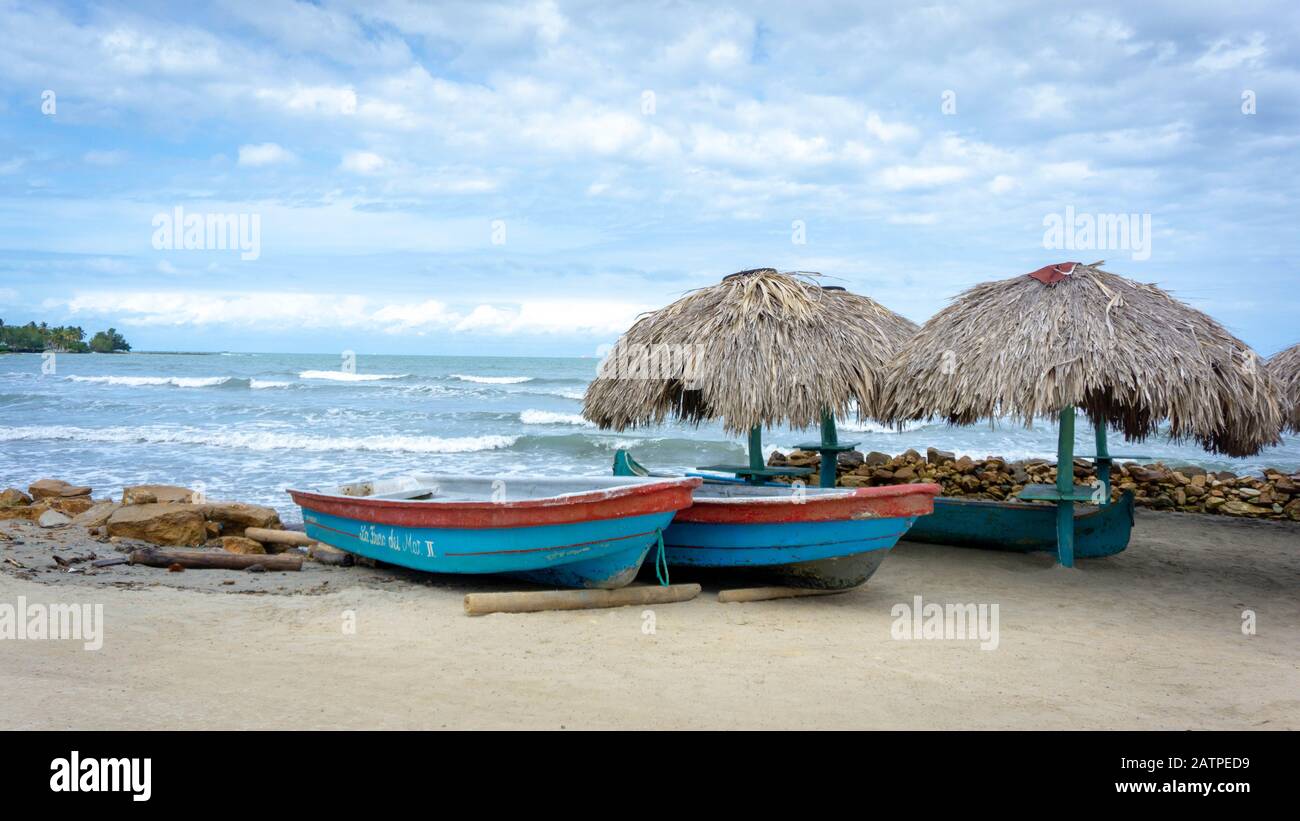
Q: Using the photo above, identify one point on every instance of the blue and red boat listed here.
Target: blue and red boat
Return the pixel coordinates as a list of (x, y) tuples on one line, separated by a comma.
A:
[(571, 532), (827, 538), (803, 537)]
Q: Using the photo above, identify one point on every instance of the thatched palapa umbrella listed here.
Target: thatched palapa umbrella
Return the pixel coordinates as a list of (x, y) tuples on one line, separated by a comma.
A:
[(891, 330), (1130, 355), (760, 348), (1285, 369)]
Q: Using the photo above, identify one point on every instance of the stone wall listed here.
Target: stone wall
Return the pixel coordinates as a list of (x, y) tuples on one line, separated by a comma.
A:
[(1274, 495)]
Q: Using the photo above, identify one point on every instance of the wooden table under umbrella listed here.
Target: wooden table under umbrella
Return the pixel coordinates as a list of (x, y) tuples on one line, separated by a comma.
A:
[(1069, 336)]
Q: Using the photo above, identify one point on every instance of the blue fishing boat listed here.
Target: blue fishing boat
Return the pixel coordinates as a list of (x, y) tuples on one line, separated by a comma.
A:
[(570, 532), (803, 537), (827, 538)]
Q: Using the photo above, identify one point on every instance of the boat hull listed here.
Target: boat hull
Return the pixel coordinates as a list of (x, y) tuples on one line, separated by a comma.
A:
[(596, 541), (832, 542), (1015, 526)]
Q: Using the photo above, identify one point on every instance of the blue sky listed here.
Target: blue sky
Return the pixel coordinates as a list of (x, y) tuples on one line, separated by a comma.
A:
[(524, 178)]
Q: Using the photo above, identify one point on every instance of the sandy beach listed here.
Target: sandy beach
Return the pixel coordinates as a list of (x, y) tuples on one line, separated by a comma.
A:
[(1151, 638)]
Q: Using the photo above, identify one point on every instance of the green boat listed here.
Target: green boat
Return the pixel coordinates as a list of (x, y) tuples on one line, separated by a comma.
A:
[(1024, 527)]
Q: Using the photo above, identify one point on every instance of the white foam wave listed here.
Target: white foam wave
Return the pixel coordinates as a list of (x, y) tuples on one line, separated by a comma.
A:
[(869, 426), (257, 440), (150, 381), (538, 417), (348, 376), (262, 384), (492, 380)]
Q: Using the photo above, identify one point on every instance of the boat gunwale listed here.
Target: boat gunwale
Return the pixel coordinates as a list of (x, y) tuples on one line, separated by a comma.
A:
[(885, 502), (579, 497), (617, 502), (1082, 510), (840, 494)]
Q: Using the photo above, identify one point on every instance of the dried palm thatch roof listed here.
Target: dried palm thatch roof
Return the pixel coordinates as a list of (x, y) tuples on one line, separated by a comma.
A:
[(758, 348), (1024, 349), (890, 328), (1285, 370)]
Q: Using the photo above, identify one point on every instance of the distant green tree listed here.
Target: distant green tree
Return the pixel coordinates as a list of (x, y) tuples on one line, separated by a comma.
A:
[(108, 341), (33, 338), (67, 338)]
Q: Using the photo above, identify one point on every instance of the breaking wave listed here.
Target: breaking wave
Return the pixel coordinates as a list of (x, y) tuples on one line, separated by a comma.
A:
[(491, 380), (539, 417), (153, 381), (258, 440)]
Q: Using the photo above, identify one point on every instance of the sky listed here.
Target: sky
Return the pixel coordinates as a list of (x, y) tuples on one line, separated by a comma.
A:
[(526, 178)]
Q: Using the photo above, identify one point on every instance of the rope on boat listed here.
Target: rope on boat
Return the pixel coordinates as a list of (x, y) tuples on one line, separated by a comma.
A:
[(661, 559)]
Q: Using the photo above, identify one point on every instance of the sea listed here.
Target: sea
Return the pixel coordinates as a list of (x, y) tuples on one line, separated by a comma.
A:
[(245, 426)]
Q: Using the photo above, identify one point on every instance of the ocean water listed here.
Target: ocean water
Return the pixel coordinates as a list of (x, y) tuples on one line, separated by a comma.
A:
[(247, 426)]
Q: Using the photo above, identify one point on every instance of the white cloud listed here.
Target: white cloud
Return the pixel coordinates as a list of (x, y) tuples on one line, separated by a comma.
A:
[(725, 55), (1002, 183), (262, 154), (180, 52), (1224, 54), (901, 177), (393, 315), (399, 317), (888, 132), (913, 219), (361, 162), (775, 145), (318, 100), (1066, 172), (1045, 101)]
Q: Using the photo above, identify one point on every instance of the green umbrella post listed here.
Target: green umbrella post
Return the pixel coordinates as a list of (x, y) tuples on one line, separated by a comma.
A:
[(830, 448), (756, 462), (1065, 488), (1065, 492)]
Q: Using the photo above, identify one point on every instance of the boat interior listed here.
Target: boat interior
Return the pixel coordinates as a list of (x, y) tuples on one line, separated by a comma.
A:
[(428, 487), (740, 492)]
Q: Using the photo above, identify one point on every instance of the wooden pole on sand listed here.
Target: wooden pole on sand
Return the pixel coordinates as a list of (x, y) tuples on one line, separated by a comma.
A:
[(212, 560), (747, 594), (480, 604)]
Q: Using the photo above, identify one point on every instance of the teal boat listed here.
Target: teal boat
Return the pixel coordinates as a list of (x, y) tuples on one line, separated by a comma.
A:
[(1102, 528), (1024, 527)]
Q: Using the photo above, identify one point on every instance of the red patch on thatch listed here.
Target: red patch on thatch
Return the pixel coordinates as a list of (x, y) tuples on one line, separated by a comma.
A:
[(1052, 274)]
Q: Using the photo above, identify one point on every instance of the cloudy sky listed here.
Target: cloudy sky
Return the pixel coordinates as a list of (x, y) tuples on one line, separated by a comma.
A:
[(526, 177)]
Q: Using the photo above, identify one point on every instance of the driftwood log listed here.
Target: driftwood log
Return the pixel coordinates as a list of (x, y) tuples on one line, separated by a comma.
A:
[(325, 554), (289, 537), (745, 594), (212, 560), (480, 604)]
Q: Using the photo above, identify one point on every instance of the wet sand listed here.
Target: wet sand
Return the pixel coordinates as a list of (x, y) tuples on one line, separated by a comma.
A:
[(1151, 638)]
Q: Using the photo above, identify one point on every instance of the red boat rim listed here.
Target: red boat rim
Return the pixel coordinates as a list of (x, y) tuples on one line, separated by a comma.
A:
[(633, 499), (886, 502)]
